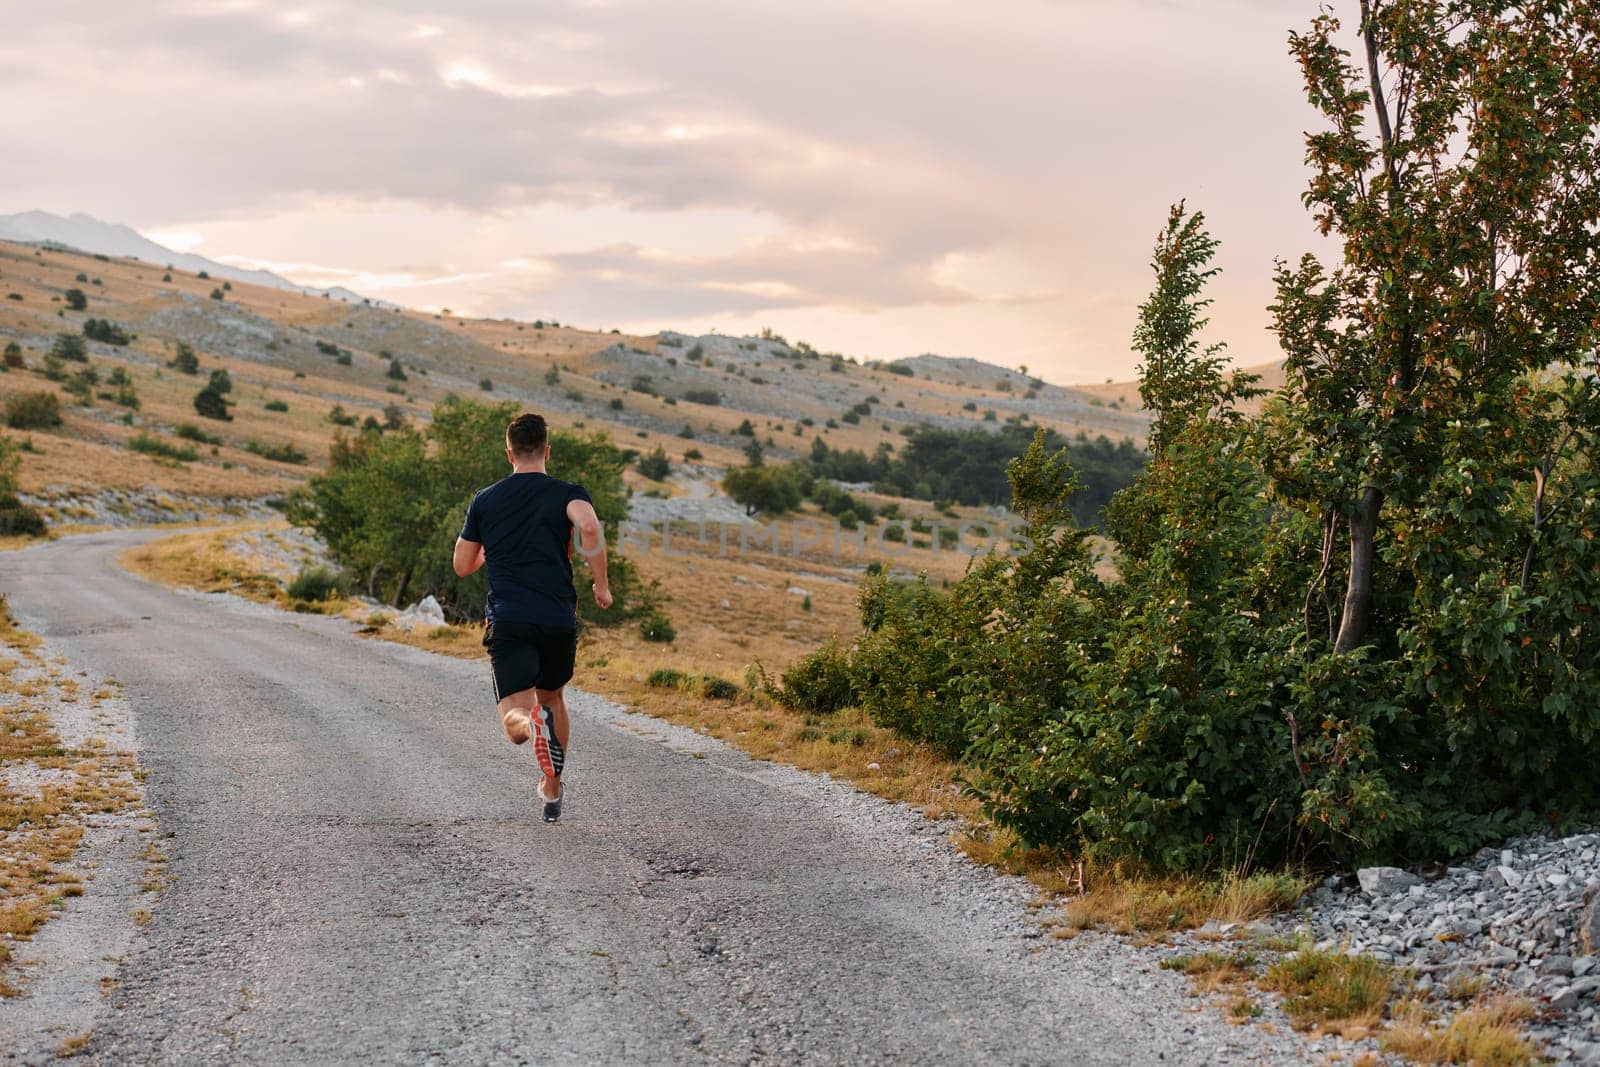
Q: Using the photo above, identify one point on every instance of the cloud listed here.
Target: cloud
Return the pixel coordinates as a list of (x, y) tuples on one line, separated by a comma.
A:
[(889, 157)]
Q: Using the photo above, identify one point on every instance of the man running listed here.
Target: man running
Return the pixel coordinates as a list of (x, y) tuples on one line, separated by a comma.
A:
[(521, 527)]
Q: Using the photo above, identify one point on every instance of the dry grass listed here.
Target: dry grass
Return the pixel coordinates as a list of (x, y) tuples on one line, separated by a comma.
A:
[(41, 826), (1487, 1034), (1331, 992)]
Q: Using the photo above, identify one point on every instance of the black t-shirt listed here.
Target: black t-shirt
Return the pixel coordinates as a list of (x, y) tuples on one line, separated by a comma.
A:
[(521, 522)]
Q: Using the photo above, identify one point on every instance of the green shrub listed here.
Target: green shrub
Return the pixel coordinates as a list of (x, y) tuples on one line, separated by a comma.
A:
[(655, 465), (16, 518), (658, 628), (185, 361), (75, 299), (709, 397), (315, 584), (33, 411), (153, 446), (714, 688), (667, 678), (819, 682), (210, 404), (282, 453), (190, 432), (105, 331), (13, 356), (70, 348), (486, 385), (276, 405)]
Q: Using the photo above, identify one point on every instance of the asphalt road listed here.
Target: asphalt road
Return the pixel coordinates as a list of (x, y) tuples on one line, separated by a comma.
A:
[(361, 876)]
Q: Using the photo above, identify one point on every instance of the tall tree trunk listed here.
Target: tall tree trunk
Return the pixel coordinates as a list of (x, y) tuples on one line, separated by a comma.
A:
[(1358, 590)]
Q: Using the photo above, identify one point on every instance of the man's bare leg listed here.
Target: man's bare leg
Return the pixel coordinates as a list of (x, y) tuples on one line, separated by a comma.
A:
[(515, 712), (560, 725)]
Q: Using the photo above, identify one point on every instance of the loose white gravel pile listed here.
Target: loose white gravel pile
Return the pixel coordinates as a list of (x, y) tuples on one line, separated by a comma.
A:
[(1522, 918)]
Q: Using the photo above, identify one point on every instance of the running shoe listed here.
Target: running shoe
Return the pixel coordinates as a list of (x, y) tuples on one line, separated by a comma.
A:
[(552, 808), (546, 749)]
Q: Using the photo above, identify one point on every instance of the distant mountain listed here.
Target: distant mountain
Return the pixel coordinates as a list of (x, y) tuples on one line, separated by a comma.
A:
[(88, 234)]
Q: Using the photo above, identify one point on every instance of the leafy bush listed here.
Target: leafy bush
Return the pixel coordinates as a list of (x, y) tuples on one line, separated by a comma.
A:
[(75, 299), (190, 432), (185, 361), (69, 347), (486, 384), (154, 446), (210, 404), (220, 381), (709, 397), (714, 688), (283, 453), (667, 678), (769, 490), (33, 411), (276, 405), (655, 465), (16, 518), (13, 356), (339, 417), (105, 331), (315, 584), (819, 682), (396, 372), (656, 627)]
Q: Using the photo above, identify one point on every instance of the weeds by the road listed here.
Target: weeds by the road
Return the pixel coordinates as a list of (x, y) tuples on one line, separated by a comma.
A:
[(49, 790)]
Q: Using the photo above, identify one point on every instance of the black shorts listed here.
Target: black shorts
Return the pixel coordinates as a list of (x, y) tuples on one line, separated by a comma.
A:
[(524, 655)]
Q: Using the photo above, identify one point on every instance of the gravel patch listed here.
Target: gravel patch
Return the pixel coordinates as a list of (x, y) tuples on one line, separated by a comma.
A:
[(1521, 918)]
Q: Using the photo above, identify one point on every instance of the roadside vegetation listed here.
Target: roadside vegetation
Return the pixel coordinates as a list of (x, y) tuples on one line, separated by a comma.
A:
[(51, 788)]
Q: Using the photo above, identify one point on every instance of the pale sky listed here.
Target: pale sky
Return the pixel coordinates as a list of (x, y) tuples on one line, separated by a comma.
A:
[(877, 177)]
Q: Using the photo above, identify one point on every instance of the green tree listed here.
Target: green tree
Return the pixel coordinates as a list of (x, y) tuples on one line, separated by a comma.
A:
[(211, 404), (69, 347), (75, 299), (15, 516), (220, 381), (1458, 168), (655, 465), (769, 490), (396, 371), (185, 361)]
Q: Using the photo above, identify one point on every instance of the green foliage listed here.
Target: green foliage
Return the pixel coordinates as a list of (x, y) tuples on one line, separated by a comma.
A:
[(154, 446), (657, 628), (105, 331), (655, 465), (220, 382), (708, 397), (969, 466), (315, 584), (396, 372), (75, 299), (819, 682), (190, 432), (13, 356), (340, 417), (40, 410), (70, 348), (282, 453), (768, 490), (486, 384), (210, 404), (185, 361), (276, 405), (1210, 705), (16, 518)]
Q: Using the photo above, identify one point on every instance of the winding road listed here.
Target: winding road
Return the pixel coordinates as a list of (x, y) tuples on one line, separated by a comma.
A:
[(360, 876)]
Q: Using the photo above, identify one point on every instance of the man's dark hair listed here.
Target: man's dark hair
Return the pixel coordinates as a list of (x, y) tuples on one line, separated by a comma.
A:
[(527, 434)]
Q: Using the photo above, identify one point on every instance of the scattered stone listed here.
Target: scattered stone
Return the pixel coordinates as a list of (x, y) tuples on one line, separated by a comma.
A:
[(424, 614), (1381, 881)]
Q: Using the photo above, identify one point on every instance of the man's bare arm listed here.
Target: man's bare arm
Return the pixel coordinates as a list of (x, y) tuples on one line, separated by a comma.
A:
[(468, 558), (592, 547)]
